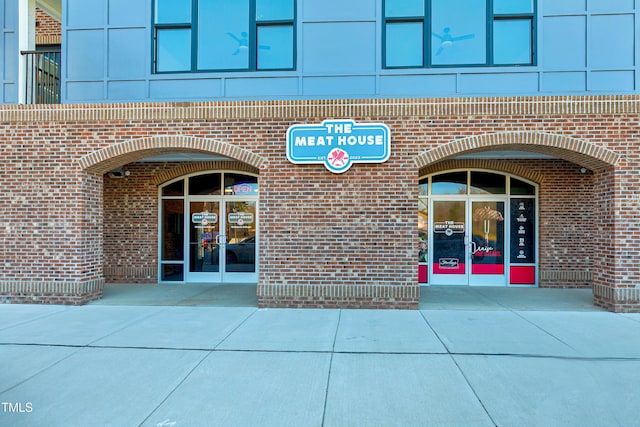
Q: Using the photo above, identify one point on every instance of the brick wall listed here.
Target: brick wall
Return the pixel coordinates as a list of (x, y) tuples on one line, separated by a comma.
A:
[(326, 240), (48, 30)]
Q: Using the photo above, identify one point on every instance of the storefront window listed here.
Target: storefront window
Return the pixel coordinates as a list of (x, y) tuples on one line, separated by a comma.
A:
[(240, 185), (483, 219), (488, 183), (205, 185), (207, 234), (424, 187), (449, 183), (172, 273), (175, 189), (521, 188), (172, 229), (423, 230)]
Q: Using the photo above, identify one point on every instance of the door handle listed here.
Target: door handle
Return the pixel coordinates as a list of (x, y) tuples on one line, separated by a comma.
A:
[(221, 239)]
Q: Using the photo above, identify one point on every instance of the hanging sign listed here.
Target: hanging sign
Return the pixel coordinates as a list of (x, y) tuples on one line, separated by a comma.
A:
[(338, 144)]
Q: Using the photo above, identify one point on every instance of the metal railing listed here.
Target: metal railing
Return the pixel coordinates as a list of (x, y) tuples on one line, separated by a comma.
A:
[(43, 77)]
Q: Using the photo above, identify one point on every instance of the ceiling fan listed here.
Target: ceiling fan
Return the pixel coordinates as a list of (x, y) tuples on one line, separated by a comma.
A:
[(446, 39)]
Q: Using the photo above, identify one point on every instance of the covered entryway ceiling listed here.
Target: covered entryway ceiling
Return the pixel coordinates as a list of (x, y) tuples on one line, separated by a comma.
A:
[(52, 7)]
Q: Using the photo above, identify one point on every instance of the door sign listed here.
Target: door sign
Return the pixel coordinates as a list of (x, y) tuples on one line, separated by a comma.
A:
[(448, 227), (240, 218), (204, 218)]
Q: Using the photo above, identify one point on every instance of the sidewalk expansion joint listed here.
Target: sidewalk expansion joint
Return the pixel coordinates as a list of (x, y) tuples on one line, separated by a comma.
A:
[(285, 351)]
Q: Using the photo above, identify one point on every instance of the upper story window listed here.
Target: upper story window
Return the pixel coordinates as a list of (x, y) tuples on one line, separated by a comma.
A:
[(223, 35), (445, 33)]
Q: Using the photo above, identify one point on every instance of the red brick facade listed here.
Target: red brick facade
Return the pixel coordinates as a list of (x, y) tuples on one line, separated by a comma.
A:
[(48, 30), (326, 240)]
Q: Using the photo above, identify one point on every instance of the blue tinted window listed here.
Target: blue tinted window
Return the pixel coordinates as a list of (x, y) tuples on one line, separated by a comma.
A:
[(274, 10), (403, 8), (439, 33), (223, 35), (172, 11), (449, 183), (173, 50), (275, 47), (510, 7), (404, 44), (458, 32), (512, 41)]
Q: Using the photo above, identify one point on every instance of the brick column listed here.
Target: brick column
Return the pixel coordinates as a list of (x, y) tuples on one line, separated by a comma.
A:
[(53, 246), (617, 237), (339, 241)]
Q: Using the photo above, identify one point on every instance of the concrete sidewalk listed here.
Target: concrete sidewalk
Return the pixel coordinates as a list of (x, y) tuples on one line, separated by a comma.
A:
[(117, 365)]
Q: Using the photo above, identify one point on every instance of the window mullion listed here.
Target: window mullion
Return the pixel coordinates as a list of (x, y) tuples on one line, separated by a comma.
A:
[(194, 35), (490, 18), (253, 36), (427, 28)]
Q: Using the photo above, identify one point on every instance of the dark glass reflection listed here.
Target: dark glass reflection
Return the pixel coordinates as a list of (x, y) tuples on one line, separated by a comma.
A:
[(172, 273), (520, 188), (205, 185), (488, 183), (172, 230), (175, 189), (449, 183)]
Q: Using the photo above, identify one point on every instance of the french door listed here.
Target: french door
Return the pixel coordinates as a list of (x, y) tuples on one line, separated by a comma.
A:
[(222, 243), (468, 241)]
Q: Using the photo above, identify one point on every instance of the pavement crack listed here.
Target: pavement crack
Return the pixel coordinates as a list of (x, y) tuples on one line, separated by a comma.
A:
[(333, 352)]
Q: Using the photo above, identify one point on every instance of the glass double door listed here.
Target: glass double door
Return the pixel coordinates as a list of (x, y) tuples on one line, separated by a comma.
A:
[(222, 245), (468, 242)]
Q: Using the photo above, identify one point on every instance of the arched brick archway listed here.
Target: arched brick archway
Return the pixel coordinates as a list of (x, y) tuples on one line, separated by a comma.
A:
[(111, 195), (574, 150), (610, 284), (488, 164), (114, 156), (188, 168)]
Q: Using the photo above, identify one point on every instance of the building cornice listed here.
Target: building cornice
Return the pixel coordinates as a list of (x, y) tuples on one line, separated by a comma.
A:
[(299, 110)]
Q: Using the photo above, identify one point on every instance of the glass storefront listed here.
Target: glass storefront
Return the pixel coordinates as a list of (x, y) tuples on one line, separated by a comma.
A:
[(476, 228), (217, 240)]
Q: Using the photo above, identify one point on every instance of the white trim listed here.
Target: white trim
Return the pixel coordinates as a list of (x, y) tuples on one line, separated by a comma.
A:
[(26, 41)]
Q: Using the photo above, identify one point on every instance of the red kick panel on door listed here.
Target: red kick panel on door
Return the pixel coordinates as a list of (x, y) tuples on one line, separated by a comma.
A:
[(422, 274), (487, 269), (522, 275)]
